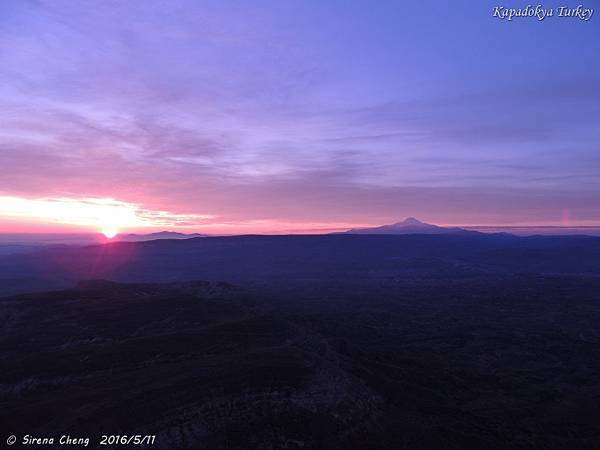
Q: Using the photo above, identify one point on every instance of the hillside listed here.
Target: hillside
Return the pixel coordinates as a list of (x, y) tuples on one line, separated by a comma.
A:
[(302, 259), (479, 364)]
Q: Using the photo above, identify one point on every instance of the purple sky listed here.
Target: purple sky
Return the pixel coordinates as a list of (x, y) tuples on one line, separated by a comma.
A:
[(302, 116)]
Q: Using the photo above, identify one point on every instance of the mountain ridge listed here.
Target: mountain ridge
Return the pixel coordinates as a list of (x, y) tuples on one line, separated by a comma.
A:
[(291, 259)]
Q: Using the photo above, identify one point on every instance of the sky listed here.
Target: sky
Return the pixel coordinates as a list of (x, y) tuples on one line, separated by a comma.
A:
[(294, 116)]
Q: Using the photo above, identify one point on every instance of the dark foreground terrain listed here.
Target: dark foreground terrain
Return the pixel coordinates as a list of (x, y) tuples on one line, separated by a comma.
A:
[(498, 361)]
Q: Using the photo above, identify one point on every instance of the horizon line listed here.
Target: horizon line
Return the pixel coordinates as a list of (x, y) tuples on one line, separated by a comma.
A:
[(292, 232)]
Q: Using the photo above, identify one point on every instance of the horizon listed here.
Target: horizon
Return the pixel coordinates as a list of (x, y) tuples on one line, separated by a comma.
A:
[(517, 230), (256, 118), (59, 230)]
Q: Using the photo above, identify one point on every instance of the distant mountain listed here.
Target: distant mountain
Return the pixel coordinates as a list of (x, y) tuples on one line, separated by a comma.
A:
[(154, 236), (409, 226)]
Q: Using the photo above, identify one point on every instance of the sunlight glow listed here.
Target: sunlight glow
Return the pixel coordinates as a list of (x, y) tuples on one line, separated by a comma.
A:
[(110, 232), (102, 214)]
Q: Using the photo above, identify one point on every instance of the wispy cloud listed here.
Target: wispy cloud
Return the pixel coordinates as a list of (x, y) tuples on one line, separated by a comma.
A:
[(279, 110)]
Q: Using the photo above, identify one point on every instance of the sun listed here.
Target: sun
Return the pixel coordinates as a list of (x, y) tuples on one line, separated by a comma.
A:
[(110, 232)]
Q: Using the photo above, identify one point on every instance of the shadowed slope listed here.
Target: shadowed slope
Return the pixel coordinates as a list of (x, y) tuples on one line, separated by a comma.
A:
[(301, 259)]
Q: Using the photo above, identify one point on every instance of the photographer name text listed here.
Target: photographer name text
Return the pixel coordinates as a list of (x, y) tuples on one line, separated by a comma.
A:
[(68, 440)]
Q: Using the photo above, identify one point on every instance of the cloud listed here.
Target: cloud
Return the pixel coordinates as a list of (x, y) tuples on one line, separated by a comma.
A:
[(280, 111)]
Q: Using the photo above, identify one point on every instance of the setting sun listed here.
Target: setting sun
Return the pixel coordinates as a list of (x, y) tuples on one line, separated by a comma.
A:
[(110, 232)]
